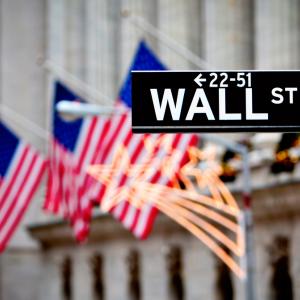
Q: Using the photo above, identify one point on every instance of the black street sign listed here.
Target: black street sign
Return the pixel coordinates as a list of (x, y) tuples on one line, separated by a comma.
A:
[(210, 101)]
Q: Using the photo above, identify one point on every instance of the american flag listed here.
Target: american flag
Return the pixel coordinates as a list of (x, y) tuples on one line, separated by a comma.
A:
[(74, 145), (83, 142), (21, 171)]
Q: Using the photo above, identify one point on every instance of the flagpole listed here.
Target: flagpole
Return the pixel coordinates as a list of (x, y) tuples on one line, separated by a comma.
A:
[(79, 86), (166, 40), (22, 121)]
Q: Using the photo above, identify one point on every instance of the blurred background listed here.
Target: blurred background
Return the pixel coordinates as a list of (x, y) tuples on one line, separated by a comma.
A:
[(95, 40)]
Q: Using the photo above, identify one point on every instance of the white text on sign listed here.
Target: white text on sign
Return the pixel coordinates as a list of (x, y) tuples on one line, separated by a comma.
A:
[(200, 105), (215, 101)]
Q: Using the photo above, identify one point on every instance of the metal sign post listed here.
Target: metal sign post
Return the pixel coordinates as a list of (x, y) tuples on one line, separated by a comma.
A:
[(248, 220), (248, 227)]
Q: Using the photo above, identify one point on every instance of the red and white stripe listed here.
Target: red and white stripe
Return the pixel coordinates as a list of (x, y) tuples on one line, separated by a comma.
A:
[(71, 190), (67, 182), (17, 189)]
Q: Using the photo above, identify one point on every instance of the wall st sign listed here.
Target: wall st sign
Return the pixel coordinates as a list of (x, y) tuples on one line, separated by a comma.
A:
[(208, 101)]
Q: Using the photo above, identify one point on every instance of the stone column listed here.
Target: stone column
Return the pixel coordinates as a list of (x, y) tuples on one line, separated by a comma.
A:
[(277, 34), (91, 41), (229, 37), (181, 21), (82, 275), (198, 260), (130, 35), (294, 263), (56, 15), (154, 275), (49, 284), (115, 270), (102, 18), (23, 41), (229, 34), (74, 37)]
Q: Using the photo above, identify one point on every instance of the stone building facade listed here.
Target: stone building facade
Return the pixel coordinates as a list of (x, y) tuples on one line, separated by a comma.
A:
[(91, 40)]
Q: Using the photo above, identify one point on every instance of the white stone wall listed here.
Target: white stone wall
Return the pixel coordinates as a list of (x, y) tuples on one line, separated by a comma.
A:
[(277, 39), (92, 41)]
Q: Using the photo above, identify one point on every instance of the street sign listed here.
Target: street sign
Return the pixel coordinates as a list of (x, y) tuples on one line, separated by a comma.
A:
[(215, 101)]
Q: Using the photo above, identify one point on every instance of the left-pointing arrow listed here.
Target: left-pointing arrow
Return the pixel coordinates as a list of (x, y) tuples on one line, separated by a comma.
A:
[(199, 80)]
